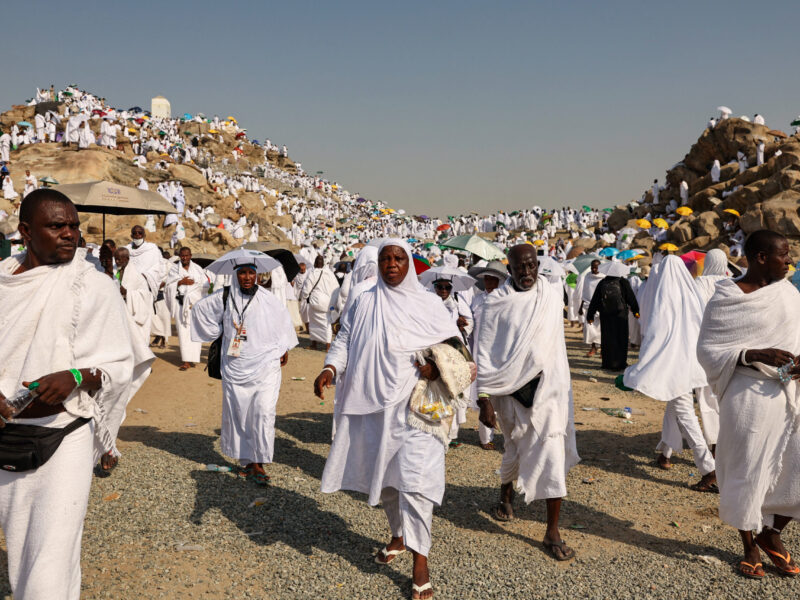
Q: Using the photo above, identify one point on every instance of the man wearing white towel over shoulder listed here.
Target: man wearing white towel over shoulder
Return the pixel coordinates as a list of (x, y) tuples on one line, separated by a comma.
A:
[(749, 346), (185, 285), (64, 327), (523, 377)]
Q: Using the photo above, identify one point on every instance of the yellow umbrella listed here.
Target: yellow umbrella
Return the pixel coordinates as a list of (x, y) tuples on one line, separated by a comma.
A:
[(792, 269), (538, 243), (232, 119), (131, 130), (661, 224), (643, 224), (668, 247), (732, 212), (684, 211), (213, 131)]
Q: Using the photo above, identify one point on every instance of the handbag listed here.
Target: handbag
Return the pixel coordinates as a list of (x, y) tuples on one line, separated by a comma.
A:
[(214, 365), (525, 394), (28, 447)]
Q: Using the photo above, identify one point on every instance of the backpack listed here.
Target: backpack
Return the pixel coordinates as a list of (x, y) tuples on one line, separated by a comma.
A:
[(612, 298), (214, 366)]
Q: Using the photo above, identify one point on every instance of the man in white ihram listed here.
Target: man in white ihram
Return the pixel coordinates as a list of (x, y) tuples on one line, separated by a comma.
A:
[(64, 327), (586, 285), (749, 333), (184, 288), (524, 385), (316, 294)]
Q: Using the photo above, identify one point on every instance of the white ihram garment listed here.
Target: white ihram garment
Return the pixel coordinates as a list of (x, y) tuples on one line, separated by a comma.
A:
[(162, 321), (182, 313), (757, 468), (138, 301), (375, 451), (539, 441), (316, 295), (55, 318), (251, 381), (586, 285)]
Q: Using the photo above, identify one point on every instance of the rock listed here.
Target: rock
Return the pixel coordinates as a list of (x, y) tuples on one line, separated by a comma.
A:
[(681, 232), (188, 175), (707, 223), (779, 213), (618, 219)]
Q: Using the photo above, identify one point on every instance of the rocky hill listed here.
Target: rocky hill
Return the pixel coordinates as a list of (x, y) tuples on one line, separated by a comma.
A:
[(70, 165), (766, 196)]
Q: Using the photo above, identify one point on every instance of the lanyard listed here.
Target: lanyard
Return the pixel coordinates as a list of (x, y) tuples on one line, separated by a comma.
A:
[(240, 314)]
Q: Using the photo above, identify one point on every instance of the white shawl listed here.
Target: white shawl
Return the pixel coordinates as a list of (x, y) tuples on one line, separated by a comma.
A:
[(59, 317), (375, 348), (519, 336), (138, 298), (192, 294), (672, 309), (735, 321), (318, 288)]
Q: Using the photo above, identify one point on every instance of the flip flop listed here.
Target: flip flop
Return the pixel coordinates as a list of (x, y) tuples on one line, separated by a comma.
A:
[(559, 550), (258, 478), (711, 488), (388, 555), (790, 569), (183, 368), (755, 571), (419, 589), (502, 511)]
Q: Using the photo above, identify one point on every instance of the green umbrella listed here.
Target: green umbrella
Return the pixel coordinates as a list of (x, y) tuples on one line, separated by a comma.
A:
[(584, 261), (795, 123), (587, 208), (608, 210), (474, 245)]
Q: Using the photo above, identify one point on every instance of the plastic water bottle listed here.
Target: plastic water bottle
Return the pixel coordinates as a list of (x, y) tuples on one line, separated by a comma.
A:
[(20, 401)]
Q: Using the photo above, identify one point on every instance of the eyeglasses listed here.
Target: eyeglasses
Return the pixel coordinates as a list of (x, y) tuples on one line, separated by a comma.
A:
[(443, 286)]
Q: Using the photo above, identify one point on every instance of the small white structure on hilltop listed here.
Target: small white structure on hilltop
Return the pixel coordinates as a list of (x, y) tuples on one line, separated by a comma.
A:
[(159, 107)]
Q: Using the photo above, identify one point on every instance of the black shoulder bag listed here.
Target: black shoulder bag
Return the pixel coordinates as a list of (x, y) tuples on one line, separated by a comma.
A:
[(525, 394), (214, 366), (28, 447)]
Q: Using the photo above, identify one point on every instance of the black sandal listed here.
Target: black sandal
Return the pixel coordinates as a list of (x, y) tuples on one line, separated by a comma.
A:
[(559, 550), (502, 511)]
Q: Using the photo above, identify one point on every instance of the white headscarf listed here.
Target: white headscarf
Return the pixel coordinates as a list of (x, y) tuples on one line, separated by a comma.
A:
[(386, 326), (715, 268), (672, 309), (366, 265)]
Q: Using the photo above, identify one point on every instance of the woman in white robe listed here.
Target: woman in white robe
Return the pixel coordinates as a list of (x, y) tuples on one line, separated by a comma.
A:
[(375, 451), (257, 334)]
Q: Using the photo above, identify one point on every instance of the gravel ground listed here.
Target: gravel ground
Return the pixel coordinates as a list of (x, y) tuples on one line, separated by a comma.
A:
[(164, 527)]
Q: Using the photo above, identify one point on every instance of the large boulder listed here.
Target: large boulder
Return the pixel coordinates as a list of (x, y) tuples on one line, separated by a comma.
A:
[(618, 219), (681, 232), (707, 223), (780, 213)]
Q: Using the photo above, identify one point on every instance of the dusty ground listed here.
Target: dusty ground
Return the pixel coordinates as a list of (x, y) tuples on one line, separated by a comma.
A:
[(178, 531)]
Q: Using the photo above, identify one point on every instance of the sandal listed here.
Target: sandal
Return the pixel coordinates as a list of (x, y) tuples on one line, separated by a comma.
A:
[(419, 589), (755, 571), (663, 462), (559, 550), (788, 568), (385, 556), (488, 446), (258, 478), (709, 488), (183, 368), (502, 511), (455, 443)]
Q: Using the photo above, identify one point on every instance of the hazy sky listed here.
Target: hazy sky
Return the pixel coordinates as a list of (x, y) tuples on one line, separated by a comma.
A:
[(435, 107)]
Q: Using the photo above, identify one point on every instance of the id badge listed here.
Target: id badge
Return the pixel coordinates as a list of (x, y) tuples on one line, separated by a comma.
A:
[(235, 347)]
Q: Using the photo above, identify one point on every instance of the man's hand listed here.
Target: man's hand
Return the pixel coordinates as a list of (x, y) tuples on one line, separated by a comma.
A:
[(324, 380), (5, 411), (486, 414), (770, 356), (186, 281), (461, 322), (590, 322), (285, 359), (429, 371), (123, 291), (54, 388)]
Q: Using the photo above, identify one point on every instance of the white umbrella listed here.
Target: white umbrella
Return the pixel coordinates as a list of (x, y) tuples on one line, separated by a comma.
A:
[(460, 280), (551, 268), (615, 268), (724, 110), (227, 263)]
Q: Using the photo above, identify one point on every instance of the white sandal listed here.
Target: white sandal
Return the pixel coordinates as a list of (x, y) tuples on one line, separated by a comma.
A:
[(418, 589), (388, 555)]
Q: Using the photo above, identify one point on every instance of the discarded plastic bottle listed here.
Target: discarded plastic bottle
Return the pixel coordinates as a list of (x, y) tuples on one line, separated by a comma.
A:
[(20, 401)]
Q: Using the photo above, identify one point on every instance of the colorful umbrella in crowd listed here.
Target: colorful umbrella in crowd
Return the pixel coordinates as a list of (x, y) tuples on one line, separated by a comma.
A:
[(668, 247), (608, 252), (460, 281), (630, 254), (643, 224), (476, 245), (731, 211), (684, 211), (661, 223), (421, 264), (584, 261), (443, 227), (694, 262)]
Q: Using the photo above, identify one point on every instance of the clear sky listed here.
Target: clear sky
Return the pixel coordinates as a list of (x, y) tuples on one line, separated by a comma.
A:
[(436, 107)]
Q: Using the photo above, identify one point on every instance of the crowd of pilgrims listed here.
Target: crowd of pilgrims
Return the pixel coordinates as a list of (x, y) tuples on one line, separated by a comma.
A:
[(417, 332)]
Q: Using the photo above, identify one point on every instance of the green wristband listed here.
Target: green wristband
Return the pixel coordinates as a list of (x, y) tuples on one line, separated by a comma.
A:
[(78, 377)]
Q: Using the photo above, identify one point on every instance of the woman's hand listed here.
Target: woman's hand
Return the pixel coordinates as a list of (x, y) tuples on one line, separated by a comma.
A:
[(429, 371)]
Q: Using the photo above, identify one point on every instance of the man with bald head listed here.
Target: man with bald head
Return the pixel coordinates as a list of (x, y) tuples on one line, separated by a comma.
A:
[(145, 255), (752, 367), (524, 386), (65, 333)]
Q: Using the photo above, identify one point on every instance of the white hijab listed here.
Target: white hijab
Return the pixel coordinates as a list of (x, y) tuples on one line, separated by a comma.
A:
[(715, 268), (379, 337), (672, 308)]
